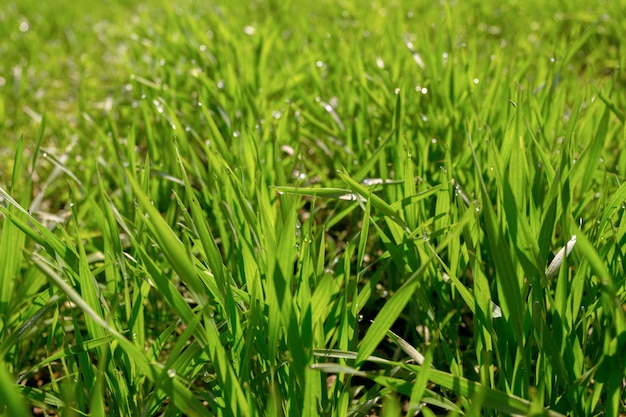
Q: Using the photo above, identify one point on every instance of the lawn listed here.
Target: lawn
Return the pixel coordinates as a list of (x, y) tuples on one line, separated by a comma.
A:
[(333, 208)]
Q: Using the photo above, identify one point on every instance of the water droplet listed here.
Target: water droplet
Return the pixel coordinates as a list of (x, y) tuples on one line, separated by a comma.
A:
[(476, 80), (277, 115), (220, 84), (433, 140), (236, 134), (24, 26), (552, 59), (171, 373), (319, 64)]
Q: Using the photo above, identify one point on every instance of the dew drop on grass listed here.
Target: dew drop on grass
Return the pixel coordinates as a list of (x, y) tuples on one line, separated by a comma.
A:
[(236, 134), (171, 372), (277, 115)]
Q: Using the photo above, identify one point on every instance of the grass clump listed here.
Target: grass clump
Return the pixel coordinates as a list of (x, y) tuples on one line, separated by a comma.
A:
[(330, 209)]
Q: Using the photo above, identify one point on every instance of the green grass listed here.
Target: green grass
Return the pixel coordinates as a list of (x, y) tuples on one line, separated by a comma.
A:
[(340, 209)]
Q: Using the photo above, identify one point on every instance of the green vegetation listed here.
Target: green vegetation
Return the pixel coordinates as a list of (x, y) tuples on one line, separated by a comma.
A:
[(325, 209)]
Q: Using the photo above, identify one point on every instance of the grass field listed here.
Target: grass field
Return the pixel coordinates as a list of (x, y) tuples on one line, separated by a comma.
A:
[(333, 208)]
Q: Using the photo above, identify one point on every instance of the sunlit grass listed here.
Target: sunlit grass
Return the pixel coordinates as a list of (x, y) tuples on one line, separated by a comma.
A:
[(332, 209)]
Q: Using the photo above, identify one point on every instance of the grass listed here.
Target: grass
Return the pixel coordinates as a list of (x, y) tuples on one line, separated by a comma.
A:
[(274, 208)]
